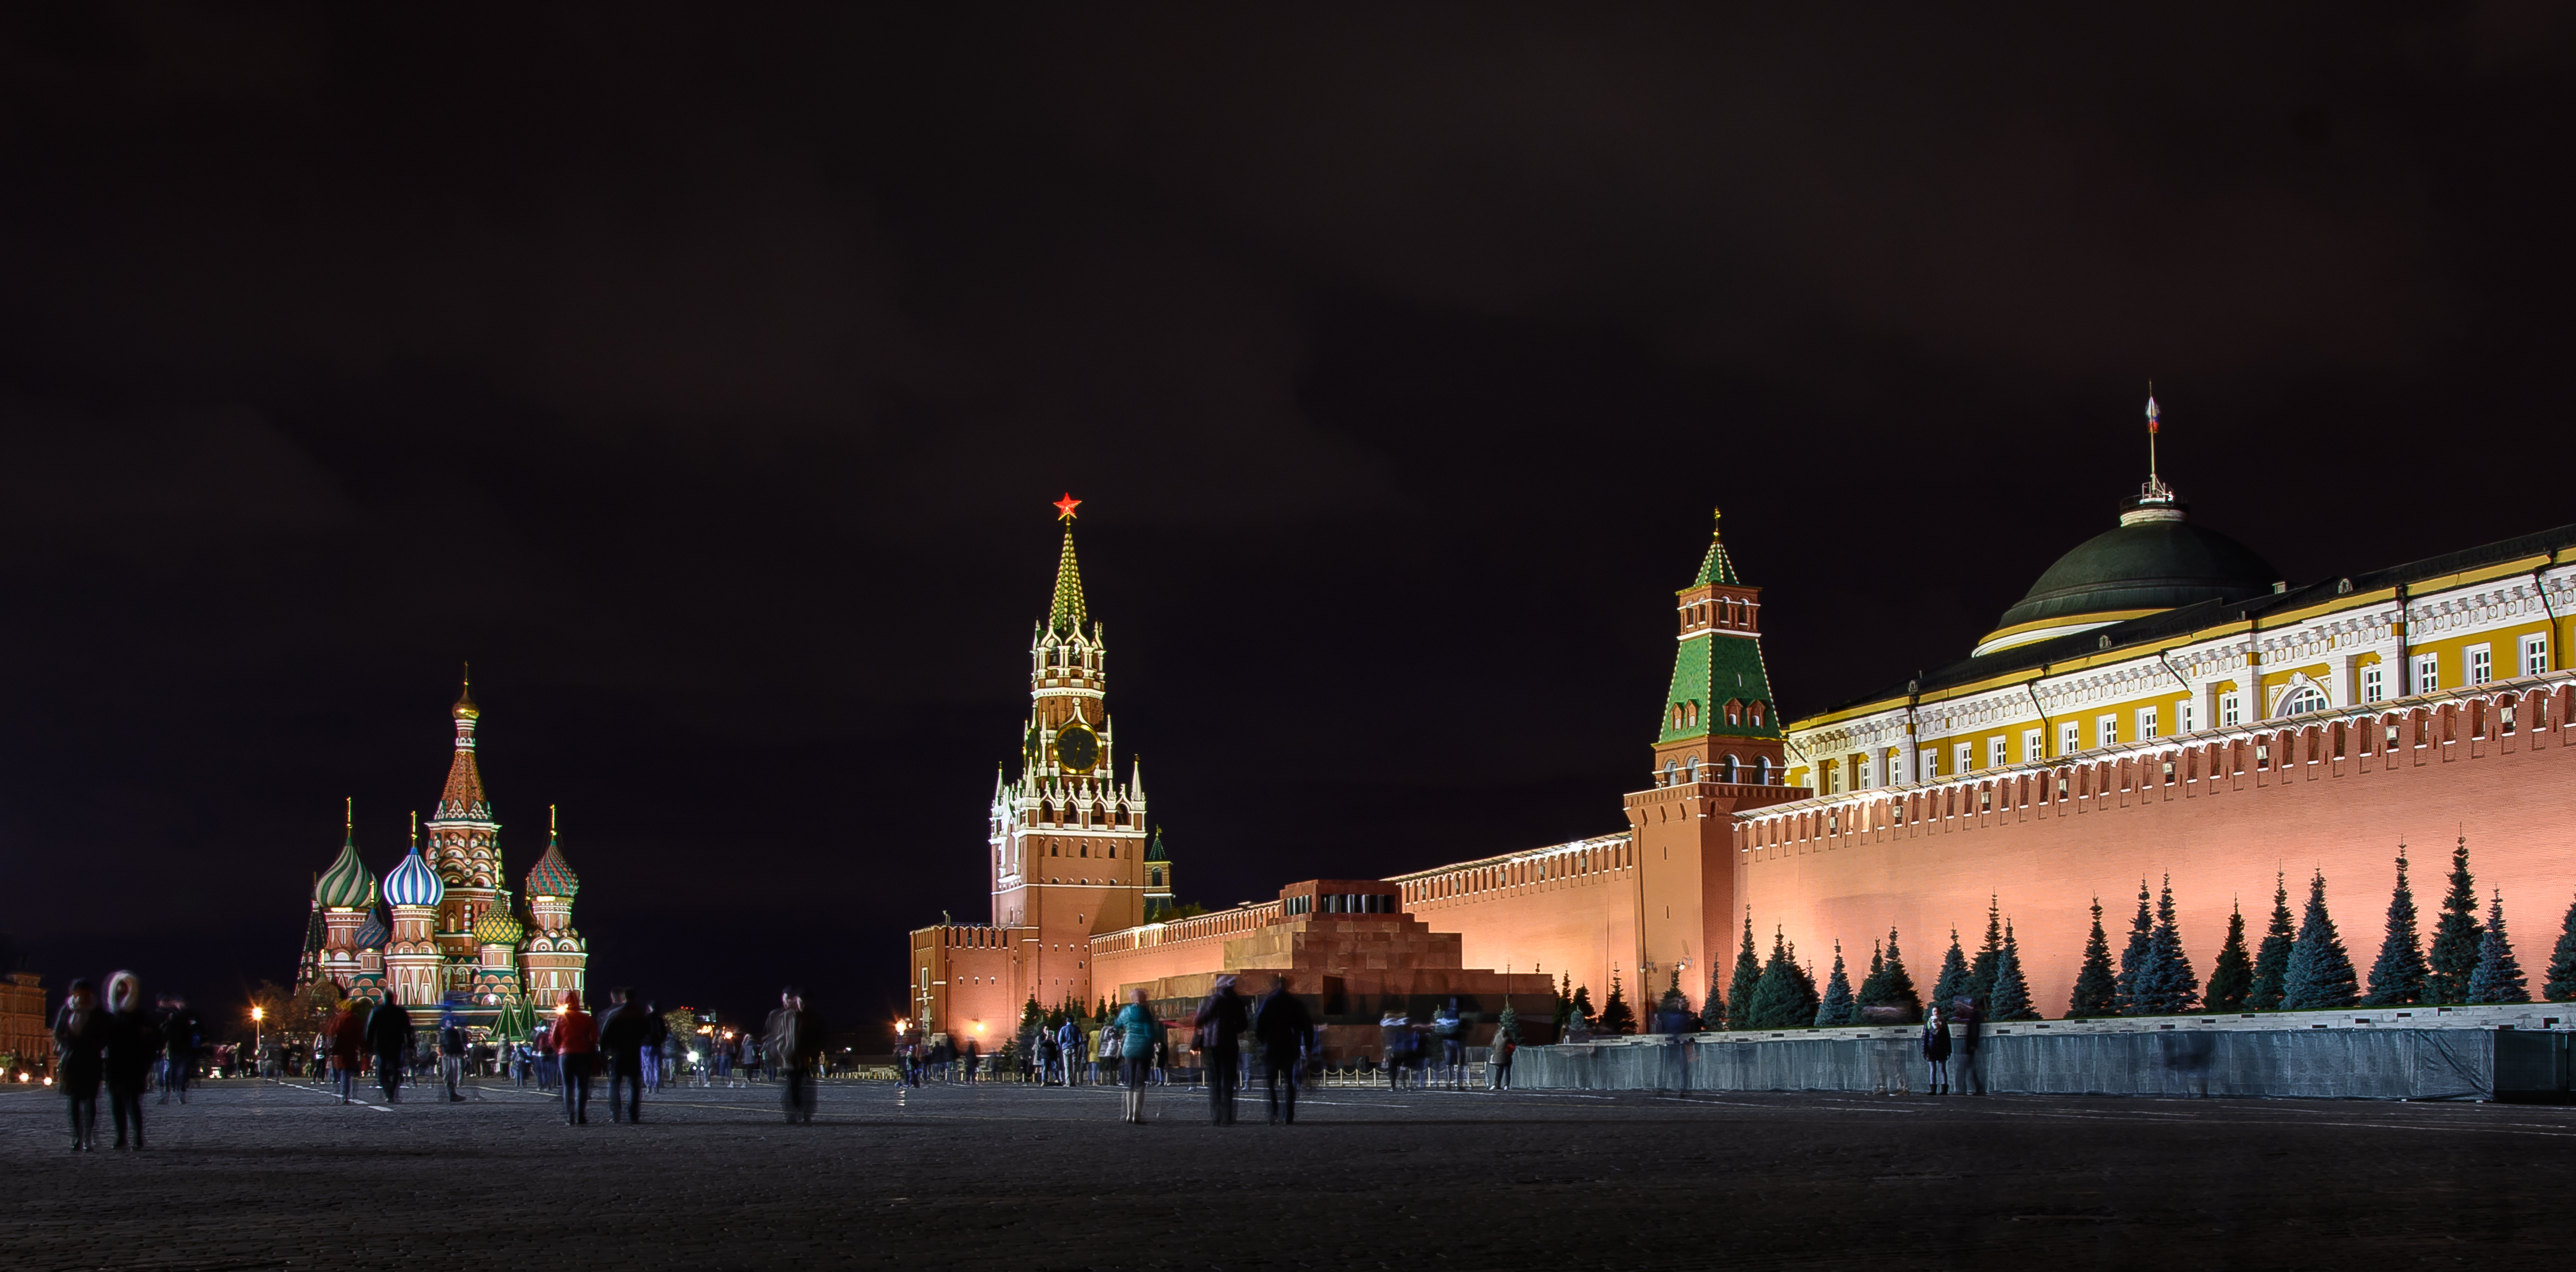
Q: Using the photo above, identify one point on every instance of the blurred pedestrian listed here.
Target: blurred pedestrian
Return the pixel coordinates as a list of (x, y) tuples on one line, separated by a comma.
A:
[(1220, 1022), (795, 1038), (133, 1048), (625, 1043), (391, 1037), (180, 1042), (1936, 1053), (1970, 1027), (346, 1037), (1137, 1031), (1287, 1032), (453, 1044), (656, 1032), (80, 1049), (1396, 1039), (576, 1051)]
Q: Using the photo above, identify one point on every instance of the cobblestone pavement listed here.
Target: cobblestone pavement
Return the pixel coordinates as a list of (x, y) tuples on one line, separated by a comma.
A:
[(252, 1175)]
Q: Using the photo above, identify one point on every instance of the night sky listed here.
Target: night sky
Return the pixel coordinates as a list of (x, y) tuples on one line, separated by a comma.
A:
[(705, 378)]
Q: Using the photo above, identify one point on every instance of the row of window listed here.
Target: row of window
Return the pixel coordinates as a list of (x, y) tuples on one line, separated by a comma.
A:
[(2304, 698), (1726, 769), (1726, 611), (1738, 713)]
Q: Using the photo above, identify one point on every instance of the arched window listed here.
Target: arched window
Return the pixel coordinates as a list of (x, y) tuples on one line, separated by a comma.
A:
[(1766, 770), (1690, 715), (1669, 766), (1690, 769), (2303, 700), (1728, 771)]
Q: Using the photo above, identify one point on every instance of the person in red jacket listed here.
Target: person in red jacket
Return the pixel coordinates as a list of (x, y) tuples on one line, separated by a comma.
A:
[(348, 1035), (576, 1043)]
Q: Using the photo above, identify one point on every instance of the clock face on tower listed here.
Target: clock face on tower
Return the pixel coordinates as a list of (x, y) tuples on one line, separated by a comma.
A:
[(1077, 749)]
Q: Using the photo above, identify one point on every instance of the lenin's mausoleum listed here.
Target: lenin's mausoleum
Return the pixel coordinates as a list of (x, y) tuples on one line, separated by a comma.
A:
[(2159, 704)]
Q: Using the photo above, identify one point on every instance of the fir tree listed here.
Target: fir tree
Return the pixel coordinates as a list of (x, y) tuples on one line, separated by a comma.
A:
[(1508, 1025), (2133, 960), (1981, 970), (1775, 995), (1839, 1007), (1564, 1001), (1583, 1002), (1616, 1016), (2399, 975), (2231, 978), (2456, 936), (2498, 978), (2097, 987), (2167, 986), (1952, 983), (1748, 974), (1896, 985), (1712, 1014), (2011, 999), (2272, 961), (1032, 1016), (2320, 972), (2561, 985), (1874, 984), (1802, 981)]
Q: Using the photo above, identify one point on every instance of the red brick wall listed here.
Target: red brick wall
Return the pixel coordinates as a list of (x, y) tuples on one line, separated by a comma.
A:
[(2220, 838)]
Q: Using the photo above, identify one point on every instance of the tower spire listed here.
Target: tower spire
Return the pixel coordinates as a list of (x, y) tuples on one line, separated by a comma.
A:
[(1069, 613), (1716, 567)]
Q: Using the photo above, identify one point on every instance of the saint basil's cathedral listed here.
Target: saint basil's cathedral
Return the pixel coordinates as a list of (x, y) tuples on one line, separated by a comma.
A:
[(441, 928)]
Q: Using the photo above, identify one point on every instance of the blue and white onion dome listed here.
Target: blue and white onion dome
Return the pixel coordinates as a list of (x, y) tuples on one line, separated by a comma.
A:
[(413, 883)]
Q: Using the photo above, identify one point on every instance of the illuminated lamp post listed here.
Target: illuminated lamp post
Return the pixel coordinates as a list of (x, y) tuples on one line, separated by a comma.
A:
[(257, 1014)]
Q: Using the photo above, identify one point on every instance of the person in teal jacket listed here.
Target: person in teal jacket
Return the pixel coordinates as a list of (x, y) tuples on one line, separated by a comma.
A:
[(1136, 1028)]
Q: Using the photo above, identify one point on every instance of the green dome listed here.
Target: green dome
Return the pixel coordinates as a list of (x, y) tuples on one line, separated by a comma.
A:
[(347, 884), (2155, 560)]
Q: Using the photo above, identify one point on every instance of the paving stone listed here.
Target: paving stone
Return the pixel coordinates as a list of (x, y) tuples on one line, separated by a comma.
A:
[(252, 1175)]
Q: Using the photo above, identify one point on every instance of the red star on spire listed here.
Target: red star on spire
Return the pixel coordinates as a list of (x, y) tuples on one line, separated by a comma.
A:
[(1064, 507)]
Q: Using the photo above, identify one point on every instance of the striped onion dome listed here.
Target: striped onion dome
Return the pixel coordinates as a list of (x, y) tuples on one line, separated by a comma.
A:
[(373, 934), (414, 883), (497, 927), (552, 876), (347, 884)]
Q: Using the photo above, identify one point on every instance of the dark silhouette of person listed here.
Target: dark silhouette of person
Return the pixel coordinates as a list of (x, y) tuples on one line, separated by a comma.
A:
[(1287, 1032), (1221, 1021)]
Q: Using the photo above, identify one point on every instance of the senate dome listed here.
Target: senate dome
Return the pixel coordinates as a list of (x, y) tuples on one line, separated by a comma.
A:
[(2154, 560)]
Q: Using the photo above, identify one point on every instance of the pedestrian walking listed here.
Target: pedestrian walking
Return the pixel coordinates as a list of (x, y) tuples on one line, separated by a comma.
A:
[(1971, 1032), (795, 1038), (575, 1040), (1287, 1033), (656, 1032), (181, 1041), (346, 1038), (1452, 1034), (80, 1049), (1936, 1053), (1220, 1023), (133, 1048), (625, 1035), (453, 1044), (1395, 1042), (391, 1037), (974, 1058), (1137, 1030), (1500, 1079)]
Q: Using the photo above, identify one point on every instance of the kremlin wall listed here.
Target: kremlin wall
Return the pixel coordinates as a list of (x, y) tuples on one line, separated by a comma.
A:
[(2160, 705)]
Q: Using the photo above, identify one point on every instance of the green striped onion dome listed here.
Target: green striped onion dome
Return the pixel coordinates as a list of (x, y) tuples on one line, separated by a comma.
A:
[(552, 876), (414, 883), (347, 884), (497, 927)]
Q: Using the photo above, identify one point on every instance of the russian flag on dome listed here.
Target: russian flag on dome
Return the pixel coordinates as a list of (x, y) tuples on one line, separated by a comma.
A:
[(2151, 412)]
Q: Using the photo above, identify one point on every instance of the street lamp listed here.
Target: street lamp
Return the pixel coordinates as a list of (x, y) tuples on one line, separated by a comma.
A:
[(257, 1014)]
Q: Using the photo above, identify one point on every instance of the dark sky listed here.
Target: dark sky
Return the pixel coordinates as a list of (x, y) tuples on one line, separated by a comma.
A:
[(705, 378)]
